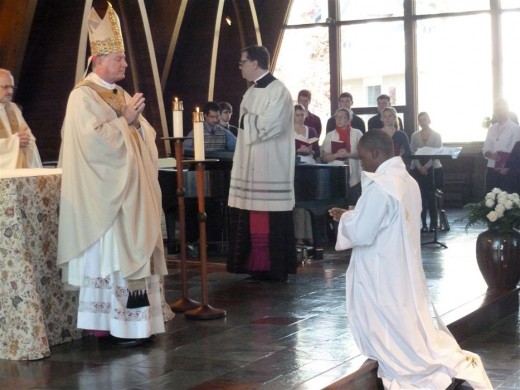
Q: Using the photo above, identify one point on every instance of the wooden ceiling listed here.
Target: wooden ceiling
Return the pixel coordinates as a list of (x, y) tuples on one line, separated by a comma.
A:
[(40, 39)]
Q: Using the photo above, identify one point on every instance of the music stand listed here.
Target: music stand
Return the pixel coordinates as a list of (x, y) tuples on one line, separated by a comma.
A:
[(436, 154)]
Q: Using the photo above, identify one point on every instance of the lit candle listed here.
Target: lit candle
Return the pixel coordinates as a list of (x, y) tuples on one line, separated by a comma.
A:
[(198, 135), (177, 108)]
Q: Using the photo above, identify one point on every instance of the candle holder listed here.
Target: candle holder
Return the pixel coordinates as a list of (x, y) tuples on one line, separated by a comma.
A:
[(184, 303), (205, 311)]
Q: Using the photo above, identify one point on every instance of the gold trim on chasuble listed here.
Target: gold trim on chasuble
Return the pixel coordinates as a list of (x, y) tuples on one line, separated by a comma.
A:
[(115, 100)]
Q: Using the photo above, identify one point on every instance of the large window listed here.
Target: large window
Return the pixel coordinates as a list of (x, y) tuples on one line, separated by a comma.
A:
[(456, 63)]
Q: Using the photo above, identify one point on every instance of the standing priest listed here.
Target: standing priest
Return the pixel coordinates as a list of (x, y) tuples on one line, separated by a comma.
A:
[(261, 192)]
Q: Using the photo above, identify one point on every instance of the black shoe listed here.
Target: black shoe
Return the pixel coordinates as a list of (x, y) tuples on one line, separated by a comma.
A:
[(433, 229), (128, 343), (424, 229)]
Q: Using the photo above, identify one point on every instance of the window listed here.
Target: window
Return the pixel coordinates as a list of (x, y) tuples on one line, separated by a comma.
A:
[(370, 9), (372, 54), (511, 60), (308, 11), (446, 6), (454, 75), (303, 63), (507, 4)]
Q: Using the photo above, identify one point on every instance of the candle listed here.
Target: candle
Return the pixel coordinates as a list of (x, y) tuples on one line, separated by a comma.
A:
[(177, 108), (198, 135)]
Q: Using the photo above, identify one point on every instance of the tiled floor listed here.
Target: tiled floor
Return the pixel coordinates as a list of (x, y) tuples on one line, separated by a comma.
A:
[(275, 336)]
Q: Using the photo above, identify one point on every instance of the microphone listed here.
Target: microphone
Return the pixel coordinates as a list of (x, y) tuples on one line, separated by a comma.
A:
[(114, 90)]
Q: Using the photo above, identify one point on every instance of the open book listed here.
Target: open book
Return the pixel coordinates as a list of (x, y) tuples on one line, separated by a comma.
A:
[(301, 140), (442, 151)]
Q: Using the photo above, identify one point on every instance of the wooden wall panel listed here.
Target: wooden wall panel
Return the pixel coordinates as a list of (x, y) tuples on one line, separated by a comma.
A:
[(15, 25)]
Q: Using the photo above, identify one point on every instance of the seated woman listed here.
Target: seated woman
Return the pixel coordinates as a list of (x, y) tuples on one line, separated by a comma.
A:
[(423, 169), (307, 148), (340, 148)]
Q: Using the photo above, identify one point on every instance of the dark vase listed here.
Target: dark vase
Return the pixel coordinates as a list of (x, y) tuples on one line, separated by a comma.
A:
[(498, 257)]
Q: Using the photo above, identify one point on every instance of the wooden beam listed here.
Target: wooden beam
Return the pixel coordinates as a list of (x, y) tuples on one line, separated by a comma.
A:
[(155, 74), (82, 47), (173, 44), (214, 51)]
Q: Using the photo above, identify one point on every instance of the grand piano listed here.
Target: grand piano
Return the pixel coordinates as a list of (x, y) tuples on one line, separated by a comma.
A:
[(317, 188)]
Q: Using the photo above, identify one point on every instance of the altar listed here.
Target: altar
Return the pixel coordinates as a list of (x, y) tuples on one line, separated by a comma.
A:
[(35, 311)]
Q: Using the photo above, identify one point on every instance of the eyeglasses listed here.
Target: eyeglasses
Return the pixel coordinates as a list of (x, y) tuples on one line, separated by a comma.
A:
[(242, 62), (4, 87)]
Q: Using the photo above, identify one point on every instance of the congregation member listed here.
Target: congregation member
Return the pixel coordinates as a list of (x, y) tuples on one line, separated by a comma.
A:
[(340, 148), (306, 137), (216, 137), (500, 139), (261, 194), (311, 120), (307, 148), (17, 143), (110, 242), (225, 111), (376, 122), (346, 100), (427, 172), (399, 137), (388, 307)]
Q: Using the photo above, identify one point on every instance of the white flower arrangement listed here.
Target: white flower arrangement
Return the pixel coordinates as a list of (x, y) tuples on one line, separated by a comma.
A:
[(499, 210)]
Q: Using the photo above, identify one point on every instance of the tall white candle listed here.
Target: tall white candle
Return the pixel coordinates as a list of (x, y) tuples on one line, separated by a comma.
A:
[(198, 135), (178, 130)]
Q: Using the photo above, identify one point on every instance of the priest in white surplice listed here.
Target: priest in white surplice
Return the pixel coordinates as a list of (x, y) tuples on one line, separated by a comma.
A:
[(261, 193), (110, 241), (17, 143), (387, 296)]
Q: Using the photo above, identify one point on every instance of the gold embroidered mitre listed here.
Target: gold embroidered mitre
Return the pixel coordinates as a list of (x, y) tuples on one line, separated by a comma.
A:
[(105, 34)]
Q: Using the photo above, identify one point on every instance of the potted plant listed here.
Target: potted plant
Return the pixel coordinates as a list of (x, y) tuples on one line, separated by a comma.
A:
[(498, 248)]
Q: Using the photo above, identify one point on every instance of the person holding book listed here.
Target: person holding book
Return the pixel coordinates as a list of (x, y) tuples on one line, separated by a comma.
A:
[(306, 138), (340, 148), (423, 169), (500, 139), (307, 148)]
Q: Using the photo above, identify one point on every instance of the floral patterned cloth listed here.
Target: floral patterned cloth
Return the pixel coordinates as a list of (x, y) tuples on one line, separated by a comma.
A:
[(35, 311)]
